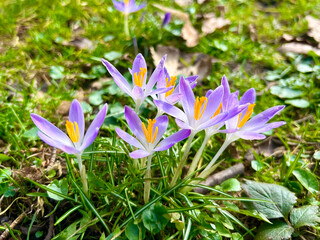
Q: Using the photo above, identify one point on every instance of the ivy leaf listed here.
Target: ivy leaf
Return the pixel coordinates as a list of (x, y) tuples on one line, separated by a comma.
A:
[(307, 179), (279, 230), (283, 200), (58, 186), (305, 216), (153, 218)]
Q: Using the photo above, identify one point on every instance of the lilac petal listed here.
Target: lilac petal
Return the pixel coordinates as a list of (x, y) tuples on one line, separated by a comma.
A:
[(193, 85), (119, 5), (250, 135), (128, 138), (226, 88), (50, 130), (157, 75), (60, 145), (134, 123), (166, 19), (173, 139), (248, 97), (162, 125), (132, 7), (213, 121), (137, 65), (117, 77), (94, 127), (268, 127), (214, 100), (162, 83), (228, 130), (173, 98), (263, 117), (187, 99), (76, 115), (137, 93), (160, 90), (171, 110), (191, 79), (182, 124), (139, 154), (137, 8), (233, 122)]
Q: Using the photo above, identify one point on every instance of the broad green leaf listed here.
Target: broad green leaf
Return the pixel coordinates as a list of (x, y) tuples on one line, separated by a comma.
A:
[(86, 107), (283, 200), (4, 157), (134, 231), (284, 92), (316, 155), (95, 98), (304, 68), (108, 38), (279, 230), (113, 55), (236, 236), (56, 72), (154, 219), (4, 173), (231, 185), (58, 186), (32, 133), (307, 179), (209, 234), (305, 216), (256, 165), (222, 230), (299, 103)]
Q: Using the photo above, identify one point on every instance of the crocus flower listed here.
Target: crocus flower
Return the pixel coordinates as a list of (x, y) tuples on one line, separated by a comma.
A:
[(140, 89), (76, 141), (127, 6), (166, 19), (148, 137)]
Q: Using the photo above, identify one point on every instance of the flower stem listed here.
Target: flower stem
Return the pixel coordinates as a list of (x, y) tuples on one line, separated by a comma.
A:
[(126, 25), (196, 159), (83, 174), (147, 184), (182, 161)]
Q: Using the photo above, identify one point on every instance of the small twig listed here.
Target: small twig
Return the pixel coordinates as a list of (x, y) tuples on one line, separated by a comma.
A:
[(50, 229), (5, 234), (219, 177)]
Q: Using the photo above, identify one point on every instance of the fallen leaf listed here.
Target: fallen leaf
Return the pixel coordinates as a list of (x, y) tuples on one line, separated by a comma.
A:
[(188, 32), (287, 37), (272, 146), (299, 48), (211, 23), (314, 28), (81, 43), (63, 108), (183, 3), (253, 32), (32, 173)]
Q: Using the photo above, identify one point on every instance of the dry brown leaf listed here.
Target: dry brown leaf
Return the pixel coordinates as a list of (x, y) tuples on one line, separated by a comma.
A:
[(287, 37), (211, 23), (188, 32), (63, 108), (183, 3), (81, 43), (191, 64), (299, 48), (314, 28)]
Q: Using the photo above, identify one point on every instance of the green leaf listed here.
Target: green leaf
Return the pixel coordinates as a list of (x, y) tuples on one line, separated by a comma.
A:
[(86, 107), (113, 55), (108, 38), (153, 218), (135, 232), (279, 230), (4, 173), (284, 92), (304, 68), (257, 166), (95, 98), (299, 103), (4, 157), (231, 185), (32, 133), (305, 216), (316, 155), (283, 200), (236, 236), (307, 179), (56, 72), (222, 230), (58, 186)]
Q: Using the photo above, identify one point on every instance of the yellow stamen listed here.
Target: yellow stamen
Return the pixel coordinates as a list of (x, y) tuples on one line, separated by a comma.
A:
[(138, 77), (218, 111), (199, 106), (126, 2), (148, 132), (171, 83), (73, 131), (246, 116)]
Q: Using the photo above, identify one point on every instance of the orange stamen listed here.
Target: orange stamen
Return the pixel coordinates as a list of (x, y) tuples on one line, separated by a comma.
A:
[(138, 77), (171, 83), (218, 111), (199, 106), (73, 132), (246, 116), (148, 132), (126, 2)]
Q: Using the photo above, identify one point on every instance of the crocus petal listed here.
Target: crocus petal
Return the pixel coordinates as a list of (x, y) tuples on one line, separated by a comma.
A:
[(50, 130), (162, 125), (171, 110), (118, 5), (132, 7), (117, 77), (173, 139), (57, 144), (139, 154), (249, 135), (248, 97), (191, 79), (187, 99), (267, 127), (137, 93), (139, 63), (161, 83), (214, 99), (213, 121), (173, 98), (160, 90), (226, 92), (76, 115), (183, 125), (157, 75), (128, 138), (94, 127), (137, 8), (134, 123)]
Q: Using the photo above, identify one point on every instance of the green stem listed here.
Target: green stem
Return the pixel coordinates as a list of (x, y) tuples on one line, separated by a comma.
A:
[(182, 161), (126, 25), (83, 174), (147, 184), (196, 159)]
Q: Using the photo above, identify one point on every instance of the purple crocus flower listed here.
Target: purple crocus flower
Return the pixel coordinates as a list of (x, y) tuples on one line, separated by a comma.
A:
[(127, 6), (76, 141), (148, 138), (166, 19), (140, 89)]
